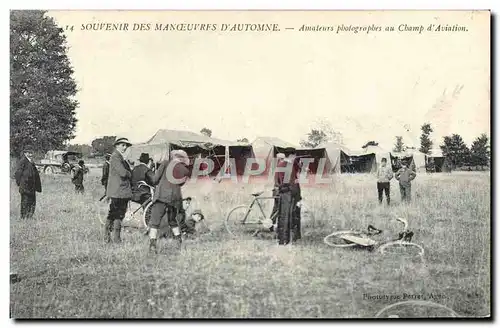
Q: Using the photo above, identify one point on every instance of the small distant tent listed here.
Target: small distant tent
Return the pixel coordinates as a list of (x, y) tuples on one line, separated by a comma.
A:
[(337, 155), (436, 161)]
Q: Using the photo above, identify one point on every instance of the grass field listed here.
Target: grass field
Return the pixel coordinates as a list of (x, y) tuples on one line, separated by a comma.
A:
[(66, 270)]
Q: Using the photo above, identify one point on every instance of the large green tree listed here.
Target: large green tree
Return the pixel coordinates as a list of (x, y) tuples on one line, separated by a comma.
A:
[(399, 146), (42, 89), (103, 145), (480, 151), (314, 138), (455, 150), (425, 140)]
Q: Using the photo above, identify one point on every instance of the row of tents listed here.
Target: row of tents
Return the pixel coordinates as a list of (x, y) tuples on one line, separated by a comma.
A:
[(337, 158)]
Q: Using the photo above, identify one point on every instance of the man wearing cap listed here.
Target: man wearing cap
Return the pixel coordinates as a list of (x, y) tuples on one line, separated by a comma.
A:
[(105, 172), (167, 200), (118, 189), (28, 181), (141, 172)]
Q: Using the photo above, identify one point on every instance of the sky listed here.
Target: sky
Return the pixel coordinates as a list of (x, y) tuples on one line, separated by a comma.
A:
[(367, 86)]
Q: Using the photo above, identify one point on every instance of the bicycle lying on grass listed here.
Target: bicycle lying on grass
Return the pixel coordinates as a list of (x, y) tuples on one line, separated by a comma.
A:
[(354, 238)]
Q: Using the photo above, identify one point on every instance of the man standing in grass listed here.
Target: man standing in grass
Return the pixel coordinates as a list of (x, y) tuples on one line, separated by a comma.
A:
[(28, 181), (118, 189), (405, 176), (77, 179), (167, 199), (384, 176)]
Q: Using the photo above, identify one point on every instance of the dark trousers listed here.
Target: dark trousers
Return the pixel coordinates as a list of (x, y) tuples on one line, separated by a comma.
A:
[(405, 190), (117, 209), (159, 210), (381, 188), (276, 207), (28, 204), (79, 188), (289, 219)]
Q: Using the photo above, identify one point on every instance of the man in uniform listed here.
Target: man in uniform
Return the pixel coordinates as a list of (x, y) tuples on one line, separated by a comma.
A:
[(141, 172), (405, 176), (118, 189), (28, 181), (167, 200)]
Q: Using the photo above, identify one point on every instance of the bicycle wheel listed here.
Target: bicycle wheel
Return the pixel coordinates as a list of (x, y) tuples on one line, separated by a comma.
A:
[(133, 216), (402, 248), (416, 309), (335, 238), (239, 221), (146, 217), (102, 209)]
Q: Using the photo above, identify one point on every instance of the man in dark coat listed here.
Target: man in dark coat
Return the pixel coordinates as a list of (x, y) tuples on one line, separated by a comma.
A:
[(289, 193), (77, 179), (105, 172), (142, 172), (118, 189), (167, 200), (28, 181)]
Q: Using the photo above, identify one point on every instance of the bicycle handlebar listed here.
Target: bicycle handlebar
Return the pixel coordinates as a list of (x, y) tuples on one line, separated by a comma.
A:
[(403, 221)]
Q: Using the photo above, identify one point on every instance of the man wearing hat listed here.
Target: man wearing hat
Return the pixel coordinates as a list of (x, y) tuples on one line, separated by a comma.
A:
[(405, 176), (118, 189), (28, 181), (141, 172), (105, 172), (167, 200)]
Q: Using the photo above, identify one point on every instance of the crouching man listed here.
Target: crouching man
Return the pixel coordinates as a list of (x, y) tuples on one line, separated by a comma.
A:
[(167, 199)]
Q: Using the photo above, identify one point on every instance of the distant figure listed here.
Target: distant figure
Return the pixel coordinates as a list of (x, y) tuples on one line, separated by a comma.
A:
[(384, 176), (77, 179), (141, 172), (105, 172), (119, 190), (405, 176), (28, 181)]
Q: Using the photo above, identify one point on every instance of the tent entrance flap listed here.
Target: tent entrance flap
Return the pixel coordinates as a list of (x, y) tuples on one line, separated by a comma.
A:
[(360, 164)]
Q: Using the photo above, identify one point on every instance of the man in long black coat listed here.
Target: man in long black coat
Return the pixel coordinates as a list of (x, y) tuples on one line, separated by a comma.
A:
[(28, 181)]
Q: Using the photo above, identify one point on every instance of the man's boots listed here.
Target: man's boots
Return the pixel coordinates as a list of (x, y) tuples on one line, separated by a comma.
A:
[(108, 226), (117, 227), (177, 237), (153, 234)]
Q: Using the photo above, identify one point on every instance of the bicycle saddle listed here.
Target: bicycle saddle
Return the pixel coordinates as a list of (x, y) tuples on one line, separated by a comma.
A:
[(257, 194)]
